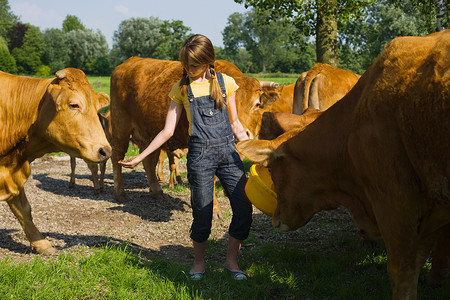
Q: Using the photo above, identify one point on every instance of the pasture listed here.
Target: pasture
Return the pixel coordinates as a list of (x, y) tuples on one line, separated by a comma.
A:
[(141, 250)]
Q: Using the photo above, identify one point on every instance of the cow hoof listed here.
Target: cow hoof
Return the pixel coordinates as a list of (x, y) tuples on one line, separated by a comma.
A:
[(158, 195), (43, 247), (179, 180), (121, 197)]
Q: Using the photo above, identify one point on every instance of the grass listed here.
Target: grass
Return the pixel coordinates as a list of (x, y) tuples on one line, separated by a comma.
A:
[(277, 271)]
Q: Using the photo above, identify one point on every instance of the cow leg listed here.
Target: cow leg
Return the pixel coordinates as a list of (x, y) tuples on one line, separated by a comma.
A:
[(119, 150), (440, 267), (172, 167), (73, 164), (217, 214), (162, 157), (177, 170), (21, 208), (406, 250), (94, 172), (101, 181), (150, 169)]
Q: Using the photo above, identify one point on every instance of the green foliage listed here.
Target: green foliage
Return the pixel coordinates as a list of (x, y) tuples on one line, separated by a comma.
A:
[(43, 71), (85, 47), (363, 40), (254, 44), (72, 22), (7, 61), (148, 37), (55, 51), (28, 56), (7, 18)]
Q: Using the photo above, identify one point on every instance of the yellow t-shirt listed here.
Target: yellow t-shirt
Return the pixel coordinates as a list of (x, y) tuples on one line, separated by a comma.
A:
[(199, 89)]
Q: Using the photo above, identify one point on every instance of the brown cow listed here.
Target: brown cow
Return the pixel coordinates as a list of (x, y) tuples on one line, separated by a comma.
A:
[(40, 116), (96, 180), (321, 87), (274, 124), (139, 105), (383, 152)]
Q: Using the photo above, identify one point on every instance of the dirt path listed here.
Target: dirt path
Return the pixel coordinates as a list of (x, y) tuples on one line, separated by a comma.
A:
[(75, 217)]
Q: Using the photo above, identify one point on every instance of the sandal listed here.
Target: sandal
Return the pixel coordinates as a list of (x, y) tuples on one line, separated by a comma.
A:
[(237, 275), (196, 275)]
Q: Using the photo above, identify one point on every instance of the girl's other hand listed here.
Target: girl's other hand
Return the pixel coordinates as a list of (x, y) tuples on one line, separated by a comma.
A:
[(129, 163)]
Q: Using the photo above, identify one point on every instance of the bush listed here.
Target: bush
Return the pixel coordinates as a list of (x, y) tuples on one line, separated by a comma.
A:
[(7, 61), (43, 71)]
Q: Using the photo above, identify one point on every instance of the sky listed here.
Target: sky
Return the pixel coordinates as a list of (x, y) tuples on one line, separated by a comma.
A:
[(207, 17)]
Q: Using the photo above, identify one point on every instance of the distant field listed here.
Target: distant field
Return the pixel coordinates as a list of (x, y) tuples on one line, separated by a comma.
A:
[(102, 83)]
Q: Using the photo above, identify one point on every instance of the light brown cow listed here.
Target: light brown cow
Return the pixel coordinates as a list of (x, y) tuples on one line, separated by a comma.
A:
[(383, 152), (38, 116), (173, 157), (321, 87), (96, 180), (139, 105)]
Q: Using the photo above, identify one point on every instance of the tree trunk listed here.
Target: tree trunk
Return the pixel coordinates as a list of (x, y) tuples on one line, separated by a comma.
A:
[(326, 38), (440, 17)]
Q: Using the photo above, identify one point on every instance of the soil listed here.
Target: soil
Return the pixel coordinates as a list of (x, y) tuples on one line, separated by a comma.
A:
[(71, 218)]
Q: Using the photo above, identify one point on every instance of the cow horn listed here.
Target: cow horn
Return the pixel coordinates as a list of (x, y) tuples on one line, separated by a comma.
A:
[(60, 74), (269, 84)]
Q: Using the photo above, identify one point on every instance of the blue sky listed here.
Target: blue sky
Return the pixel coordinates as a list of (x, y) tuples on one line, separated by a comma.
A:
[(208, 17)]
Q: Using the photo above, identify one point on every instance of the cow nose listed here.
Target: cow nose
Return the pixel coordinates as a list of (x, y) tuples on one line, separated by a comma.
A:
[(104, 152)]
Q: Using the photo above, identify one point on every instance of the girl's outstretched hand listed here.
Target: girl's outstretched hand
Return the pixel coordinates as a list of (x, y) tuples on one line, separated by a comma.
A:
[(130, 163)]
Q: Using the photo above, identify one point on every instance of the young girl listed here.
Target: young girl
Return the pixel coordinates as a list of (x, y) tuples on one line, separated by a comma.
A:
[(205, 95)]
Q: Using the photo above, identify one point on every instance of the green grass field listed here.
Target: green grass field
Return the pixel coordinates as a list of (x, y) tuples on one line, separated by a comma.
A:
[(277, 271), (102, 83)]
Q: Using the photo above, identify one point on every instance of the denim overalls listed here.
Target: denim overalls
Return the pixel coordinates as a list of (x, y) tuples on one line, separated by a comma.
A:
[(212, 151)]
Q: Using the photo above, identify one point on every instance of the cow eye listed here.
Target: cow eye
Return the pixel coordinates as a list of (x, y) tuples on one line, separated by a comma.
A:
[(74, 106)]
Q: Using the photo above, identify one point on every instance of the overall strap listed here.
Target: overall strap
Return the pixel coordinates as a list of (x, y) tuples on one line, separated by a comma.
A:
[(189, 93)]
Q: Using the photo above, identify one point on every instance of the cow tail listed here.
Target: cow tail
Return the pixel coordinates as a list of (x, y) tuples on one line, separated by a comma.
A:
[(310, 76), (216, 92)]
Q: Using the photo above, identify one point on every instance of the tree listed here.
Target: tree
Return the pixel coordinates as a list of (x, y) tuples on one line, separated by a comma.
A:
[(55, 49), (7, 61), (72, 23), (268, 45), (174, 33), (85, 46), (435, 13), (148, 37), (7, 18), (28, 56), (362, 41), (319, 18), (16, 34)]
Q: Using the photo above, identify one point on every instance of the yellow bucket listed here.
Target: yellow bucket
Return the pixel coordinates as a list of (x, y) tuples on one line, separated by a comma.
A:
[(259, 189)]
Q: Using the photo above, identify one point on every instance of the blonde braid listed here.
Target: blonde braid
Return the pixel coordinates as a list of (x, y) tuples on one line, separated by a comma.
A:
[(216, 92), (184, 83)]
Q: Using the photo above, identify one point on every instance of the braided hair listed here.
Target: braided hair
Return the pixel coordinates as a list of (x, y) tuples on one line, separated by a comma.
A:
[(200, 50)]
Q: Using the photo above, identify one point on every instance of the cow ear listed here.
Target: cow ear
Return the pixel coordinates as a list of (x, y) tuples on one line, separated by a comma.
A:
[(269, 98), (103, 100), (258, 151)]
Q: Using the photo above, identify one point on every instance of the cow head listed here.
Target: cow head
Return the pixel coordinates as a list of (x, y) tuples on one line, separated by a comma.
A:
[(68, 117), (294, 208), (251, 102)]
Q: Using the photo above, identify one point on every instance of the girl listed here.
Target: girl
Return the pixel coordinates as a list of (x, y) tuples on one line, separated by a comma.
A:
[(205, 94)]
